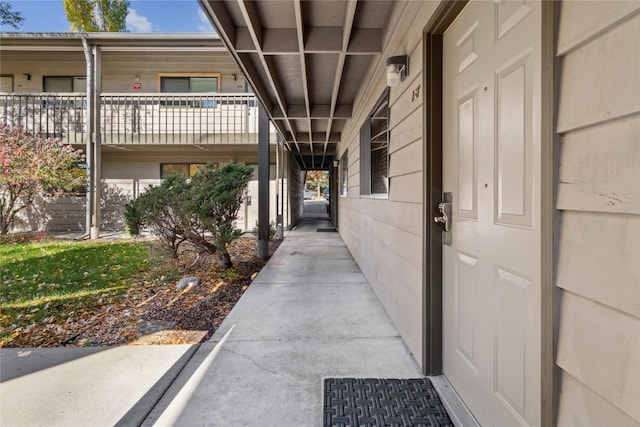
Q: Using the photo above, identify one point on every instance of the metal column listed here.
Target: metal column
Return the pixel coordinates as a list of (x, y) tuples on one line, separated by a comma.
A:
[(263, 183)]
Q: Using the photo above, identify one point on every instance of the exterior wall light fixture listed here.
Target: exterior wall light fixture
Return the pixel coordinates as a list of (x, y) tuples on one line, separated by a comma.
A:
[(336, 163), (397, 69), (26, 76)]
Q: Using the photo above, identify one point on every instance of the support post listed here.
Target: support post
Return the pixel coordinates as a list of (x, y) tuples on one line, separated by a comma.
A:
[(279, 189), (263, 183)]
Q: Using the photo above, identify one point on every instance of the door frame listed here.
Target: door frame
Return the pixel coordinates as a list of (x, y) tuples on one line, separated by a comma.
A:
[(432, 360)]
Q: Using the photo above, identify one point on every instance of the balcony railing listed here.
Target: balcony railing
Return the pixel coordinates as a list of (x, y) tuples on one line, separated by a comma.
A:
[(138, 119)]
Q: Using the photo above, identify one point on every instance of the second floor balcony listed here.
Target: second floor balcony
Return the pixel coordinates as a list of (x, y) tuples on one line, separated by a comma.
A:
[(167, 118)]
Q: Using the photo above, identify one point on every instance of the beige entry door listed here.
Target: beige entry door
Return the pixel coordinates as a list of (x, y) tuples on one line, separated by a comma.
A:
[(491, 166)]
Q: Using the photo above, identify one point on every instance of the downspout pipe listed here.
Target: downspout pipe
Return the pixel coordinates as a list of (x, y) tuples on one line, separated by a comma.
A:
[(97, 142), (93, 148), (88, 55)]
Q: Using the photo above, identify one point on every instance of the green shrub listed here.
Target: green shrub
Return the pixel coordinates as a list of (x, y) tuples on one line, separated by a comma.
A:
[(201, 211), (160, 209), (273, 231), (216, 198)]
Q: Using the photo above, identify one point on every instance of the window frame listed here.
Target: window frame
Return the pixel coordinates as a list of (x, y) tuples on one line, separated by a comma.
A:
[(72, 79), (218, 76), (189, 166), (367, 148), (344, 174), (9, 76)]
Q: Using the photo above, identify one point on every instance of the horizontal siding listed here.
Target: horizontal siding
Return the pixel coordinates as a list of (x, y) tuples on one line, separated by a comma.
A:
[(406, 161), (52, 214), (599, 259), (594, 20), (581, 407), (385, 234), (600, 347), (120, 68), (598, 220), (599, 80), (407, 132), (388, 262), (600, 168)]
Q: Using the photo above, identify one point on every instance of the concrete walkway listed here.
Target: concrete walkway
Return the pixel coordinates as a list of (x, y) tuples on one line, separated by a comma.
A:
[(310, 314)]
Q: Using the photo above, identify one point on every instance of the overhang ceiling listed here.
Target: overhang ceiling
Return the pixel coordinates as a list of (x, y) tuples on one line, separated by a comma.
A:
[(305, 60)]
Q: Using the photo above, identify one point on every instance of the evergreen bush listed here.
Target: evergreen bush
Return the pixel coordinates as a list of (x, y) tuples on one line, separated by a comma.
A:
[(201, 211)]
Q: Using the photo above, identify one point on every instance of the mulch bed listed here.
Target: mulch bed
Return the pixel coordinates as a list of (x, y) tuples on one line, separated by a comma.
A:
[(154, 311)]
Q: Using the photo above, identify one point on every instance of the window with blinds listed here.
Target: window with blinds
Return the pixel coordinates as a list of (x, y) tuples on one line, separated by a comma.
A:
[(63, 84), (374, 149), (188, 84)]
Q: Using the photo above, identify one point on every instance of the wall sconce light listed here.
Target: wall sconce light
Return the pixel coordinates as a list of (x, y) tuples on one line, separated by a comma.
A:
[(234, 77), (26, 76), (336, 163), (397, 69), (137, 78)]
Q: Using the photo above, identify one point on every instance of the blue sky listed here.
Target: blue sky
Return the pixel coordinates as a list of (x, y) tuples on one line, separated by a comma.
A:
[(145, 16)]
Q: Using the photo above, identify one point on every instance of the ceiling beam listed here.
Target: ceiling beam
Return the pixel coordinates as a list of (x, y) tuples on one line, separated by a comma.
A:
[(297, 9), (349, 16), (250, 16), (218, 12), (318, 111)]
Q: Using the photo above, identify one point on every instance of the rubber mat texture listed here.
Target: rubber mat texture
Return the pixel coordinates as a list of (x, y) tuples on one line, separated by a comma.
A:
[(370, 402)]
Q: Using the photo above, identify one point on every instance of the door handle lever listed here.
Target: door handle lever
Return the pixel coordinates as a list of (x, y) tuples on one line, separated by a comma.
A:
[(445, 209)]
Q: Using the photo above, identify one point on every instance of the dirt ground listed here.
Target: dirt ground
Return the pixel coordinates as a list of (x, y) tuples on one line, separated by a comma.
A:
[(154, 310)]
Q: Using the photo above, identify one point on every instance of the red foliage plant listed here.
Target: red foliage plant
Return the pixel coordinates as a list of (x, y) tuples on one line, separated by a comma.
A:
[(32, 165)]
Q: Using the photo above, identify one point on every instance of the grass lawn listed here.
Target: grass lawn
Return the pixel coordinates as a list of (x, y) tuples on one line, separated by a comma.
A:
[(60, 279)]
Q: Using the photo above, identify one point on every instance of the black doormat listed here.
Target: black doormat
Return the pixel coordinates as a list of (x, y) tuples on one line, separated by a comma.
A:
[(372, 402), (326, 230)]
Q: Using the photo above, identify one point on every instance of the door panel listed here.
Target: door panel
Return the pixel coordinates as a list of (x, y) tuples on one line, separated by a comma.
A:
[(467, 160), (491, 164)]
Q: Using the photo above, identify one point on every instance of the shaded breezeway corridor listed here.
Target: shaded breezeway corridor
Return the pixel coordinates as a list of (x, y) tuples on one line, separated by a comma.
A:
[(310, 314)]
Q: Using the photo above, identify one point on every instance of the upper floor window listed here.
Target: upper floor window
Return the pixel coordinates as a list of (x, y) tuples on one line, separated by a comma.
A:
[(374, 149), (189, 84), (6, 83), (185, 169), (201, 83), (65, 84)]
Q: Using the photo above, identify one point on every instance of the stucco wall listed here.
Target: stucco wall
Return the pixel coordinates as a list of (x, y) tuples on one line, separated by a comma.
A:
[(598, 202)]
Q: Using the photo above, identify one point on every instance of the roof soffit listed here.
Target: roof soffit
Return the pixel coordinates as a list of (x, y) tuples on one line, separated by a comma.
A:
[(305, 61)]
